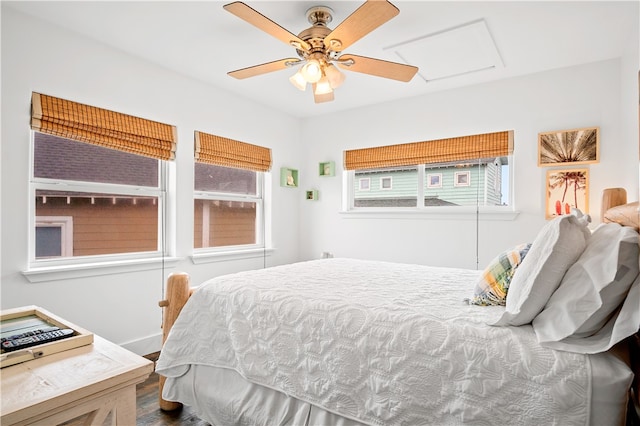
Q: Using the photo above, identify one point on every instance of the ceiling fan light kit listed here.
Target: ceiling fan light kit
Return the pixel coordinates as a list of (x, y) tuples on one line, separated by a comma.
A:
[(319, 46), (326, 75)]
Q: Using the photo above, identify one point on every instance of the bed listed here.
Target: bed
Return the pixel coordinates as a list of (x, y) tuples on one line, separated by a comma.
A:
[(350, 342)]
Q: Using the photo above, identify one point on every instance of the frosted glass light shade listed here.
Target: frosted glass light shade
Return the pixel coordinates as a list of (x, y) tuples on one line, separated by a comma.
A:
[(298, 81), (323, 87), (311, 71), (336, 78)]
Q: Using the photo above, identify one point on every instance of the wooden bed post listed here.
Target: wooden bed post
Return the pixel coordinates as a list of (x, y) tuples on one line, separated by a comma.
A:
[(178, 292)]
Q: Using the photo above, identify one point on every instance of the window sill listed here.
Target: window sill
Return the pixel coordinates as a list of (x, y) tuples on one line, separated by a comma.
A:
[(223, 256), (63, 272), (438, 213)]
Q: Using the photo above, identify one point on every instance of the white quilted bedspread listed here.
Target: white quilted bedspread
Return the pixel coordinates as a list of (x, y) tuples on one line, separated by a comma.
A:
[(382, 343)]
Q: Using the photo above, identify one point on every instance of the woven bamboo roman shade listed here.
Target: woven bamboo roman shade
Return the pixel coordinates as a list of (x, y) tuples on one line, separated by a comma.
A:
[(102, 127), (437, 151), (221, 151)]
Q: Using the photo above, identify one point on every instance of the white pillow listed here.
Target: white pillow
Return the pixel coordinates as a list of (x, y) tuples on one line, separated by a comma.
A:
[(556, 247), (625, 322), (594, 287)]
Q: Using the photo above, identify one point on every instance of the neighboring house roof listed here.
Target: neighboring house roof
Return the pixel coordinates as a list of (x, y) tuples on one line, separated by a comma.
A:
[(59, 158), (208, 177), (435, 201), (64, 159)]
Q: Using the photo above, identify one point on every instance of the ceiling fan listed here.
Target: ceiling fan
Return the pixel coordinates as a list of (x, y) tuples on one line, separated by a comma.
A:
[(319, 48)]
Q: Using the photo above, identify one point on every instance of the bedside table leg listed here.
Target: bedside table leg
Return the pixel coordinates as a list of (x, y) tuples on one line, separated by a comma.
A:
[(125, 409), (98, 416)]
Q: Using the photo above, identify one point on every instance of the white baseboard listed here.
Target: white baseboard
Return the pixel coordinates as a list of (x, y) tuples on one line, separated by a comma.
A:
[(144, 346)]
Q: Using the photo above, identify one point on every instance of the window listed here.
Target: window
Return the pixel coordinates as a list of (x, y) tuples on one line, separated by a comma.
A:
[(503, 189), (364, 184), (96, 183), (462, 179), (464, 171), (385, 183), (54, 236), (227, 206), (383, 193), (229, 193), (113, 198), (434, 180)]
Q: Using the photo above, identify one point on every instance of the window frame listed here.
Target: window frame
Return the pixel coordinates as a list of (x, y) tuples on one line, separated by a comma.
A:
[(458, 175), (65, 223), (383, 179), (261, 217), (434, 185), (497, 212), (361, 181), (38, 267)]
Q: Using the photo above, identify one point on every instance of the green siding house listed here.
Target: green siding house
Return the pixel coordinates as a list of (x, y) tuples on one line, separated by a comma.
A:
[(452, 184)]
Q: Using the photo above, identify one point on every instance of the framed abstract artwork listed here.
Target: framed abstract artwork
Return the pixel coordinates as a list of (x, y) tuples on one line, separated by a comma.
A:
[(567, 189), (569, 147)]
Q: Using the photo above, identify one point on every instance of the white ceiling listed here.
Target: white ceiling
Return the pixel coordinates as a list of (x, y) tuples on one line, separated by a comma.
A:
[(203, 41)]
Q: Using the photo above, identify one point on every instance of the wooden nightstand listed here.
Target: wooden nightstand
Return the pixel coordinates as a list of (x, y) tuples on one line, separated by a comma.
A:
[(94, 379)]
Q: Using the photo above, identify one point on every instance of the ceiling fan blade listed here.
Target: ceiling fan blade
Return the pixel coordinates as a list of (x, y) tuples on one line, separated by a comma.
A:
[(377, 67), (260, 21), (264, 68), (365, 19), (326, 97)]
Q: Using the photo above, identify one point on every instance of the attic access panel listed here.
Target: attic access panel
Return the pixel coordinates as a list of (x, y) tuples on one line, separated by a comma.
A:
[(457, 51)]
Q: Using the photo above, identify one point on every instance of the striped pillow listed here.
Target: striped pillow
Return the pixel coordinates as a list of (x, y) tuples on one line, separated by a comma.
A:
[(493, 285)]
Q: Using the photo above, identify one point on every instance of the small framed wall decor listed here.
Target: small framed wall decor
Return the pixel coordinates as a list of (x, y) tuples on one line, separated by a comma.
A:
[(327, 168), (288, 177), (569, 147), (311, 194), (567, 189)]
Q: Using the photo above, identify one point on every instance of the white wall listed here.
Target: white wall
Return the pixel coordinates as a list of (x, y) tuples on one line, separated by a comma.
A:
[(584, 96), (630, 86), (123, 307)]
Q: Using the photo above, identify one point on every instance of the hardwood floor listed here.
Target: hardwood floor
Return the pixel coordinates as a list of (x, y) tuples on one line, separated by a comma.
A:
[(149, 413)]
